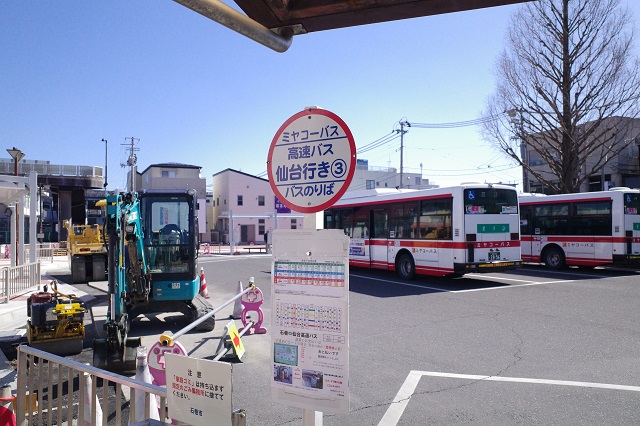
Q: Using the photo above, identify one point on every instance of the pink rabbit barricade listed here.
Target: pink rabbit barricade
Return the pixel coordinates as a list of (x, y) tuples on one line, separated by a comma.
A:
[(251, 298), (252, 302)]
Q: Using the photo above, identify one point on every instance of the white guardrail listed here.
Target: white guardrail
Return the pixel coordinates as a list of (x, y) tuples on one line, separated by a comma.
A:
[(56, 390), (19, 279)]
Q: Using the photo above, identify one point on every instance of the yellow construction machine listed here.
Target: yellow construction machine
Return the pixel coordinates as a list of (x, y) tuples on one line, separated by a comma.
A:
[(56, 322), (87, 249)]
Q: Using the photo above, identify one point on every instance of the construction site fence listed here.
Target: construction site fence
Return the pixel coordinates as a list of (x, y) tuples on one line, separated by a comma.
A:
[(20, 279), (54, 390), (210, 248), (43, 254)]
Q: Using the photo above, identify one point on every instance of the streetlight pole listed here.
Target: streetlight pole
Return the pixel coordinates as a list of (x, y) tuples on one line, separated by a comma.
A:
[(17, 155), (106, 164)]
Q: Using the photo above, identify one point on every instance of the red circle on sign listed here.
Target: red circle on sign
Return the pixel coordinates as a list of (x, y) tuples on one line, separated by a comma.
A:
[(351, 161)]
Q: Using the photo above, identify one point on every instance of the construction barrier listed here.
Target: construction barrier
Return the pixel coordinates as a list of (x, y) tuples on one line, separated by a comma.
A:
[(203, 285)]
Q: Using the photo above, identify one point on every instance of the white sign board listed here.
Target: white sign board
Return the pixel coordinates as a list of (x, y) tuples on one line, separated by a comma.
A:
[(198, 390), (311, 160), (310, 319)]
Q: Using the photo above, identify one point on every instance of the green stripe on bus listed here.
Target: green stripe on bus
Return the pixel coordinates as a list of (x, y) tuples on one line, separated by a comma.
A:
[(493, 229)]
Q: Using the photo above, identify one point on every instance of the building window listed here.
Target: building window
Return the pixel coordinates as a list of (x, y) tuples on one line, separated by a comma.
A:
[(294, 223), (218, 201), (239, 200), (168, 173), (371, 184), (260, 226), (261, 200)]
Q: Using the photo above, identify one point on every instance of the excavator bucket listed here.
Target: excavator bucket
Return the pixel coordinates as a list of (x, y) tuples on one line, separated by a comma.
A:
[(117, 359)]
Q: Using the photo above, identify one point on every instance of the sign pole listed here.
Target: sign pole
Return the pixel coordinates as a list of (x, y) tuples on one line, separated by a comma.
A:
[(311, 163), (312, 221)]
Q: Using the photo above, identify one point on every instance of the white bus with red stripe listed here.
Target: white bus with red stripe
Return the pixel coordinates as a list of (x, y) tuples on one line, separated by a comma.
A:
[(438, 232), (585, 229)]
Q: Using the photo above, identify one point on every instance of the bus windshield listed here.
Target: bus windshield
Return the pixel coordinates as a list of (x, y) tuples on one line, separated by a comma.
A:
[(490, 201)]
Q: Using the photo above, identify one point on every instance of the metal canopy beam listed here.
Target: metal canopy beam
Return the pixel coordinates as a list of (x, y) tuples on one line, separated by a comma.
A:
[(272, 23), (232, 19)]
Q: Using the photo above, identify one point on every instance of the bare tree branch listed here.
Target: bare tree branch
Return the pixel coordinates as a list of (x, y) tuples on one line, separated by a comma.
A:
[(565, 77)]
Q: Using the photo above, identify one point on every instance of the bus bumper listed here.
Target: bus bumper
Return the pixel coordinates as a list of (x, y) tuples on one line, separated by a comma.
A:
[(465, 268), (628, 260)]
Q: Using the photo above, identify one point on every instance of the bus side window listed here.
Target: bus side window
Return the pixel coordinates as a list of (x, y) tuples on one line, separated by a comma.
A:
[(435, 219), (525, 220), (396, 222), (380, 225)]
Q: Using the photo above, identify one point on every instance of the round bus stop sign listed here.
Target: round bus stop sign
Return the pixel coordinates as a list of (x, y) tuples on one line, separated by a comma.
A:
[(311, 160)]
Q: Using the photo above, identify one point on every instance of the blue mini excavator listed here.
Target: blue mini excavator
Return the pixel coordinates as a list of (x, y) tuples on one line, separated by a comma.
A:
[(152, 267)]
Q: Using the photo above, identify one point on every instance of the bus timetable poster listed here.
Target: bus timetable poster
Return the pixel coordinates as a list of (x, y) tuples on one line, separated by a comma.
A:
[(310, 319)]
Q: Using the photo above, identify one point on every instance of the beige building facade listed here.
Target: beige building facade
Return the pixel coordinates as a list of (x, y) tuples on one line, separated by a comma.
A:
[(621, 170), (243, 208)]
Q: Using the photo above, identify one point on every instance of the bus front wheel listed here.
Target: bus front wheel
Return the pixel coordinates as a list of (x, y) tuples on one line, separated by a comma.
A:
[(406, 267), (554, 258)]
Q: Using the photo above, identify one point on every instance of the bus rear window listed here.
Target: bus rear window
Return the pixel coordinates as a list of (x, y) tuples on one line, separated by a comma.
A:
[(490, 201), (631, 203)]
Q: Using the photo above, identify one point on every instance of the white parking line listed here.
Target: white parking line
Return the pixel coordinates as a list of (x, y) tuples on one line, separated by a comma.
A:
[(511, 286), (485, 278), (400, 402)]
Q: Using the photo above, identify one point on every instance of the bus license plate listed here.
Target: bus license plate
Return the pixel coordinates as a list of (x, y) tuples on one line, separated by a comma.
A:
[(494, 255)]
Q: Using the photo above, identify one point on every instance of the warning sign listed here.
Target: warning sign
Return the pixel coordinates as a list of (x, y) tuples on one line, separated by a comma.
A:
[(198, 390)]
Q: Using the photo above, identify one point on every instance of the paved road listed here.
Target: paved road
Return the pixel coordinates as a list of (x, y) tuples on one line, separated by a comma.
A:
[(527, 347)]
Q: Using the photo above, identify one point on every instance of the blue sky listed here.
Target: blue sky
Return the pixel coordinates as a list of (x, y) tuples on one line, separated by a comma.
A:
[(192, 91)]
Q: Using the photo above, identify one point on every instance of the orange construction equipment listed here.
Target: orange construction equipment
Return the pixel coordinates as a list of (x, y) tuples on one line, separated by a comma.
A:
[(203, 285)]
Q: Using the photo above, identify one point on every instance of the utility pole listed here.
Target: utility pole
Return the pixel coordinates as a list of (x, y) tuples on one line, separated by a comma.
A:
[(402, 132), (131, 162)]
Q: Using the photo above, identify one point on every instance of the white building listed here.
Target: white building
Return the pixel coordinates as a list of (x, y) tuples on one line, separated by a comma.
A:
[(178, 176), (372, 177), (245, 205)]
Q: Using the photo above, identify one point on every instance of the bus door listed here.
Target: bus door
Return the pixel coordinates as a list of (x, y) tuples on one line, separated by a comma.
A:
[(379, 238), (529, 239)]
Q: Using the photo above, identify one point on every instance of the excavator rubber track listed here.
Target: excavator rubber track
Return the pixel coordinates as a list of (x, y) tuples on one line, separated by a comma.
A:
[(203, 307)]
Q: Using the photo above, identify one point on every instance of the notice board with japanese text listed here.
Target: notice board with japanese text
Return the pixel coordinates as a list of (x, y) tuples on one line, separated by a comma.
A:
[(310, 319), (199, 390)]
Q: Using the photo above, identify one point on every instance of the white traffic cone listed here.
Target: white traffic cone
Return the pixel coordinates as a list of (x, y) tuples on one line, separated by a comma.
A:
[(88, 421), (144, 375), (203, 285), (237, 306)]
